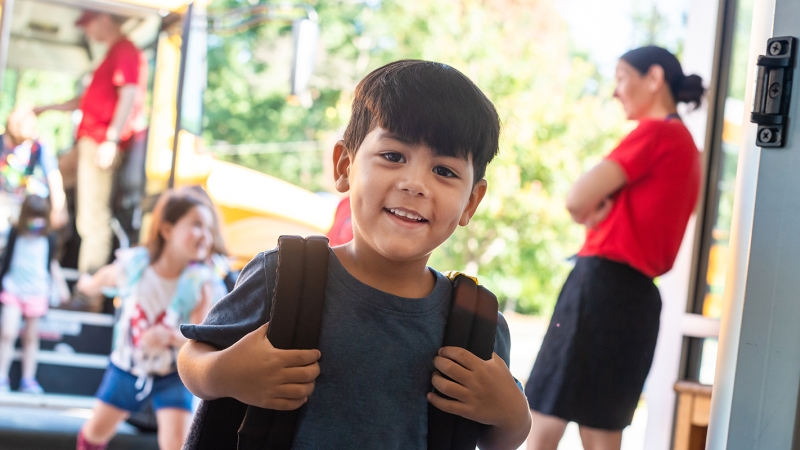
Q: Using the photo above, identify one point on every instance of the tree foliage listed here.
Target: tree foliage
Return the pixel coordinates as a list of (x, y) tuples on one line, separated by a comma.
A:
[(556, 111)]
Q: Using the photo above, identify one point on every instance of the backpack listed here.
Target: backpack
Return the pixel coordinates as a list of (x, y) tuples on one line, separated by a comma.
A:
[(18, 174), (297, 305)]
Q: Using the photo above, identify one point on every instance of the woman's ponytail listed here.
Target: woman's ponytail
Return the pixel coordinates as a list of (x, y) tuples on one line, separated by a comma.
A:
[(687, 89), (691, 90)]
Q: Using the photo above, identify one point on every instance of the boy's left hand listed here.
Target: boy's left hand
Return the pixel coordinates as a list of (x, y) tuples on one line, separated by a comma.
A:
[(483, 391)]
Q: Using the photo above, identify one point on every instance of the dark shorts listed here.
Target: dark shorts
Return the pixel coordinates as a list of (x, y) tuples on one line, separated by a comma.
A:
[(119, 389), (599, 346)]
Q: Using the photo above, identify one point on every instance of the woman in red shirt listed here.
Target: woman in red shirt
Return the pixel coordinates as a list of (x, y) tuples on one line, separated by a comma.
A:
[(635, 205)]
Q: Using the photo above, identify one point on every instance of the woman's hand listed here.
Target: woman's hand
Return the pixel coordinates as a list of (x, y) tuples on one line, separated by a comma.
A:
[(599, 215), (587, 196)]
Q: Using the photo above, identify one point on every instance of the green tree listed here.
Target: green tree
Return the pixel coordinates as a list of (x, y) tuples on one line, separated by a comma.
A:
[(556, 111)]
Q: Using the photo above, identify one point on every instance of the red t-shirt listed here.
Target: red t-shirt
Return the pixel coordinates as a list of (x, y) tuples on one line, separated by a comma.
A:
[(341, 231), (124, 64), (647, 223)]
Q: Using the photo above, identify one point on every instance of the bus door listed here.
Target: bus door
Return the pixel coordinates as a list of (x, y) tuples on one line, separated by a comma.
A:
[(45, 59)]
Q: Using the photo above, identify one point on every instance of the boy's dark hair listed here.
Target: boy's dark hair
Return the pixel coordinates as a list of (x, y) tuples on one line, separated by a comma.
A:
[(427, 103), (33, 207), (170, 208)]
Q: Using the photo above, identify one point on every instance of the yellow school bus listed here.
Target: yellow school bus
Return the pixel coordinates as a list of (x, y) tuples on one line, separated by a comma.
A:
[(256, 208)]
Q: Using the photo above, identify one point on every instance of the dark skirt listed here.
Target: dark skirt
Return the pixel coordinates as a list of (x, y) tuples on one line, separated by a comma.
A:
[(599, 346)]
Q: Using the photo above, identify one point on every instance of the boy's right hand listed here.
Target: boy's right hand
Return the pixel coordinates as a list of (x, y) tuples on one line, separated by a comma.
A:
[(256, 373)]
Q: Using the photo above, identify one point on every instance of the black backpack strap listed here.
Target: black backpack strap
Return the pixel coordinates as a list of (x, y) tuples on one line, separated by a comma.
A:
[(471, 325), (8, 253), (215, 425), (295, 323), (52, 242)]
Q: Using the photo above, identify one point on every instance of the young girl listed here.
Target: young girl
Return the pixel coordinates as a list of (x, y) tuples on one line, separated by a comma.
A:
[(27, 270), (161, 286)]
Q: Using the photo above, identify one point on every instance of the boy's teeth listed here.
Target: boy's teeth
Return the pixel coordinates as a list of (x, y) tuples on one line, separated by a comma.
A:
[(405, 214)]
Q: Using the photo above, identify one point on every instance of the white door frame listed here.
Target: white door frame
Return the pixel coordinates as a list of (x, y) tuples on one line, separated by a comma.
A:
[(755, 399)]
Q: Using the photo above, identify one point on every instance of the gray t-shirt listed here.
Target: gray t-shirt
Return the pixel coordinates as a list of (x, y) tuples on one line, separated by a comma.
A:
[(28, 274), (377, 355)]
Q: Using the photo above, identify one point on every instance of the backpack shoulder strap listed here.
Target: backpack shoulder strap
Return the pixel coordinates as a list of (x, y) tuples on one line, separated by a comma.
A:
[(295, 323), (8, 253), (36, 150), (52, 242), (471, 325)]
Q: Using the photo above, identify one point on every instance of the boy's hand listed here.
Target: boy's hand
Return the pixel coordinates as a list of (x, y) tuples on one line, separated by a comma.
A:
[(256, 373), (483, 391)]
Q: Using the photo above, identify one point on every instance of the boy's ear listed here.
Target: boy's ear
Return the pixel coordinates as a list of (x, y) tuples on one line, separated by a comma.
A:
[(341, 167), (475, 197)]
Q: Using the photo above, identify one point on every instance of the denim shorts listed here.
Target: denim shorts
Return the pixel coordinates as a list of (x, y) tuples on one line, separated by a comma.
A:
[(119, 389)]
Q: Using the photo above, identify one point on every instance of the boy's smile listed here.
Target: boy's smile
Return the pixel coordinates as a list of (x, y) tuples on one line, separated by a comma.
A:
[(405, 199)]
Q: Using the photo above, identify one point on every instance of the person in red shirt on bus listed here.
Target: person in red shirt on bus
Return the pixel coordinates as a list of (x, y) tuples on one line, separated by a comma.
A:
[(112, 114), (635, 205)]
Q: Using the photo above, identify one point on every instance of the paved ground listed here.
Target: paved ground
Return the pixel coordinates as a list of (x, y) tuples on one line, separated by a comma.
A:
[(38, 428)]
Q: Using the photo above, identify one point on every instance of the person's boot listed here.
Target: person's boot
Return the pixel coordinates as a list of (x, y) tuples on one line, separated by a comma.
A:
[(83, 444)]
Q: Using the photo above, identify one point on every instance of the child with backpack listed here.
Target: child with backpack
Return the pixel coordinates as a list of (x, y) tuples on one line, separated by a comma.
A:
[(413, 160), (162, 284), (28, 272), (27, 168)]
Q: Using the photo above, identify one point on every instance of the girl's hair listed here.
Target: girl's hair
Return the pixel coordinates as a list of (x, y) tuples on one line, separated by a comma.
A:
[(687, 89), (218, 246), (170, 208), (32, 208)]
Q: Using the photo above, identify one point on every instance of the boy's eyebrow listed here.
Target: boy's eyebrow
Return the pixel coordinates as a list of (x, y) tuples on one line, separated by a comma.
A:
[(388, 135)]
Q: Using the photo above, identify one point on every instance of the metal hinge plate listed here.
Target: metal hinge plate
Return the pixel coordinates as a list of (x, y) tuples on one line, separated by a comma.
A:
[(773, 91)]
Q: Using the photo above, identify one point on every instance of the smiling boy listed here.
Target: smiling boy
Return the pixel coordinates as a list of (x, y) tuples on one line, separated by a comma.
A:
[(413, 159)]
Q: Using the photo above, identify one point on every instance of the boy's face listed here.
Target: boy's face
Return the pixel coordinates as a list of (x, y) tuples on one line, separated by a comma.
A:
[(405, 199)]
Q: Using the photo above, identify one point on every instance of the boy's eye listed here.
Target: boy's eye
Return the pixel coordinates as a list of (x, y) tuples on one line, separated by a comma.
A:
[(443, 172), (393, 157)]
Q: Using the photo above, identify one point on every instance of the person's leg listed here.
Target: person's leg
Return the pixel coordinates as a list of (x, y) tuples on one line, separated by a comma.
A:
[(173, 427), (102, 426), (30, 348), (30, 353), (546, 431), (93, 207), (597, 439), (9, 330), (172, 403)]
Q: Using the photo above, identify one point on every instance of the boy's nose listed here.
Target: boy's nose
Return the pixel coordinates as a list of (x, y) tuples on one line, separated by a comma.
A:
[(414, 183)]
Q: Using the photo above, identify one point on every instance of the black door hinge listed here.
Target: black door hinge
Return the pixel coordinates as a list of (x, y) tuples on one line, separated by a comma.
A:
[(773, 91)]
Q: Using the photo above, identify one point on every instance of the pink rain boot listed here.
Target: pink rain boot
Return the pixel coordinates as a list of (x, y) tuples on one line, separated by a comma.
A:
[(83, 444)]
